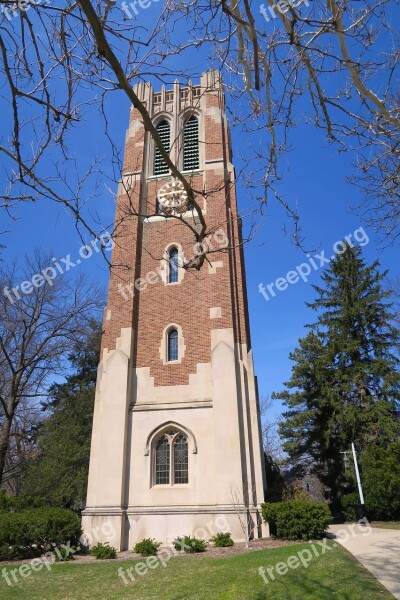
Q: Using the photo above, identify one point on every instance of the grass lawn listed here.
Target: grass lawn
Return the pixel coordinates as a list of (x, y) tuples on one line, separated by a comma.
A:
[(385, 524), (334, 574)]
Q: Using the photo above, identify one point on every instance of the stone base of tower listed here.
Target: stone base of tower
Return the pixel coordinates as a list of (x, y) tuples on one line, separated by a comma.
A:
[(164, 525), (216, 411), (104, 526)]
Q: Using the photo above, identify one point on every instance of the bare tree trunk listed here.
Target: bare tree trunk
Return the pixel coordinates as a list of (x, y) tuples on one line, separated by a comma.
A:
[(4, 441)]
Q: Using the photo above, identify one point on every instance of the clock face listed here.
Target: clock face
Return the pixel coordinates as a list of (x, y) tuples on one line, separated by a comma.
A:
[(172, 197)]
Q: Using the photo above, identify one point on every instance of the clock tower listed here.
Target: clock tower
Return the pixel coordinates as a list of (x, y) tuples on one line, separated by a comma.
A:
[(176, 442)]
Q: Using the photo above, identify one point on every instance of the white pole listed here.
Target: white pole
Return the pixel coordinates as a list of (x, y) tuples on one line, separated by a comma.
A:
[(357, 475)]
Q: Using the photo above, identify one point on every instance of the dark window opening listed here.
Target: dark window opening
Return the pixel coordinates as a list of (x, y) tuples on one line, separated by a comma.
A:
[(191, 159), (160, 166)]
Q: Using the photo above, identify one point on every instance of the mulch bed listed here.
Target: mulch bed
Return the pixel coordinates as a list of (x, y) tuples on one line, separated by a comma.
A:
[(211, 552)]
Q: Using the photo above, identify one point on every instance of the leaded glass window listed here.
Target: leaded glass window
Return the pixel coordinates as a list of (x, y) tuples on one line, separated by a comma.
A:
[(163, 452), (172, 345), (181, 461), (171, 458)]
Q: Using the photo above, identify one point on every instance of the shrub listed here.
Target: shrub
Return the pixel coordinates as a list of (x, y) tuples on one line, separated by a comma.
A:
[(147, 547), (7, 502), (222, 540), (189, 545), (297, 519), (348, 503), (103, 551), (33, 532)]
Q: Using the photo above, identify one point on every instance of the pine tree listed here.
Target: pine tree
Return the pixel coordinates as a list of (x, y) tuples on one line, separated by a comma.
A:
[(59, 473), (345, 380)]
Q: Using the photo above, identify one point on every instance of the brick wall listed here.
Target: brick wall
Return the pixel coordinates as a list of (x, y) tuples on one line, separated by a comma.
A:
[(140, 248)]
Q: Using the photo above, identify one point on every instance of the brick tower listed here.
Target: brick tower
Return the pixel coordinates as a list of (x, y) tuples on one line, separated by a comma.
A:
[(176, 439)]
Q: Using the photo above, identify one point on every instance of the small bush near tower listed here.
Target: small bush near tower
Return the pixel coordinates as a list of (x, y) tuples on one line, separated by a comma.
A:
[(147, 547), (189, 545), (222, 540), (297, 519)]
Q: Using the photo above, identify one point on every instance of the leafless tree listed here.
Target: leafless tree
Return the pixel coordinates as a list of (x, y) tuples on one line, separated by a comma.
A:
[(37, 331), (249, 522), (269, 427), (333, 64)]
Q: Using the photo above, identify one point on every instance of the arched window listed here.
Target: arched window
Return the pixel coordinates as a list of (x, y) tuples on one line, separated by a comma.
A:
[(171, 458), (172, 346), (163, 462), (164, 131), (191, 158), (181, 459), (173, 265)]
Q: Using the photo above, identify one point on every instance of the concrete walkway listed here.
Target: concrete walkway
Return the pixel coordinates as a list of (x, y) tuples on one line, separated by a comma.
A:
[(377, 549)]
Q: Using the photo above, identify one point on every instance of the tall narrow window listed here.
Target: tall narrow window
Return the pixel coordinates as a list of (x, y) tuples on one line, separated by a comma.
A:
[(163, 452), (173, 265), (191, 160), (172, 345), (160, 166), (181, 459)]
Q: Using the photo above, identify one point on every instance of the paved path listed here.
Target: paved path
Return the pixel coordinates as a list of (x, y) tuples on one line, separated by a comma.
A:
[(377, 549)]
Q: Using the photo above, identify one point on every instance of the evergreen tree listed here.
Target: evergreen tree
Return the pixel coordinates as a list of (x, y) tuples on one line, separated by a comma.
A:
[(59, 473), (345, 384), (381, 481)]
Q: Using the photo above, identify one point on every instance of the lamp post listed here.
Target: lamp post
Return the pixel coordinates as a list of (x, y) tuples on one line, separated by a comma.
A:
[(360, 508), (360, 491)]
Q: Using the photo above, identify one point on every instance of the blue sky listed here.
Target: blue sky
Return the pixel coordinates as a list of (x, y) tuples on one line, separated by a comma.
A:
[(314, 180)]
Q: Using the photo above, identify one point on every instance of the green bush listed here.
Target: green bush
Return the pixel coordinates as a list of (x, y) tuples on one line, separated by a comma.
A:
[(32, 532), (297, 519), (103, 551), (147, 547), (189, 545), (348, 503), (222, 540), (7, 502)]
